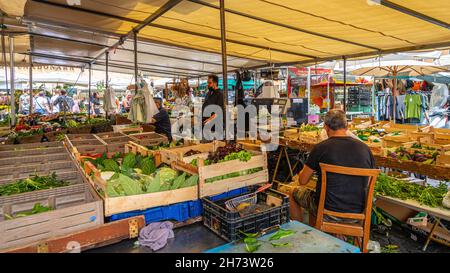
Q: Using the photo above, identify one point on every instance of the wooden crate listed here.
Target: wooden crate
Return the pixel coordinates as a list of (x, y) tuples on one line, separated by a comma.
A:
[(443, 160), (84, 144), (40, 148), (60, 162), (251, 145), (258, 160), (307, 137), (127, 128), (149, 139), (98, 236), (109, 135), (75, 208), (77, 137), (442, 149), (208, 189), (441, 138), (395, 141), (394, 127), (10, 174), (85, 129), (114, 205), (116, 144), (177, 154), (17, 156), (25, 140)]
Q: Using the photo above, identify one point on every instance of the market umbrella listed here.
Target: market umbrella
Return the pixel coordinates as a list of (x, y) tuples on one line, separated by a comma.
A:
[(394, 68)]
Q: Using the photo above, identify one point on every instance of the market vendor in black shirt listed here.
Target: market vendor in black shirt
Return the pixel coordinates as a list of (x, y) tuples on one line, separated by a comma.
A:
[(161, 120), (214, 96), (344, 193)]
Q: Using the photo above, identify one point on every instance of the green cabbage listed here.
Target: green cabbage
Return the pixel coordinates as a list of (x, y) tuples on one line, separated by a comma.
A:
[(167, 175)]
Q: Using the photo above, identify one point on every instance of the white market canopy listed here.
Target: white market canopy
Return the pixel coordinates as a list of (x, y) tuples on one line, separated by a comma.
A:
[(183, 38), (393, 68)]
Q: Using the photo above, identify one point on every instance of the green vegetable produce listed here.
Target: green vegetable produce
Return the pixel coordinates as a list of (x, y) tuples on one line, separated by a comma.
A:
[(167, 175), (148, 165), (111, 165), (191, 181), (33, 183), (281, 233), (124, 185), (178, 182), (153, 185), (129, 161), (426, 195), (37, 208)]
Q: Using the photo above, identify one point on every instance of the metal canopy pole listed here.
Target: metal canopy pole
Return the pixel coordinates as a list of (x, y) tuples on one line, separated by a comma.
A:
[(89, 99), (11, 66), (5, 63), (345, 84), (107, 69), (31, 83), (308, 89), (107, 78), (135, 63), (224, 51)]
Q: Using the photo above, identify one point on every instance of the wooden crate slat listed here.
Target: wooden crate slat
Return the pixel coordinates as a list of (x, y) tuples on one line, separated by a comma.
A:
[(40, 167), (149, 139), (62, 201), (109, 135), (120, 204), (33, 159), (22, 153), (30, 146), (218, 187), (173, 154), (93, 237), (77, 137), (227, 167)]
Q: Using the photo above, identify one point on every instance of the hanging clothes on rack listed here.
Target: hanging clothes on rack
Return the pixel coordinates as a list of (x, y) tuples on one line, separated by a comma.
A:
[(413, 107), (400, 108)]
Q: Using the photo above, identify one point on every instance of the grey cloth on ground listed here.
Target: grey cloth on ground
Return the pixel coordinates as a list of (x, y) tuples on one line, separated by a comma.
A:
[(155, 235)]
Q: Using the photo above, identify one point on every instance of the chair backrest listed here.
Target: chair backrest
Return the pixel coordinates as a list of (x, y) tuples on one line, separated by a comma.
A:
[(327, 168)]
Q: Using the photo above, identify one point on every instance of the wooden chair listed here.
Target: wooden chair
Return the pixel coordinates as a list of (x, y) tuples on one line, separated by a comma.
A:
[(349, 229)]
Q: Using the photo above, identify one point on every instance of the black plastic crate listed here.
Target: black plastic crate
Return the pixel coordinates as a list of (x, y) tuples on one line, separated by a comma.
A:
[(229, 225)]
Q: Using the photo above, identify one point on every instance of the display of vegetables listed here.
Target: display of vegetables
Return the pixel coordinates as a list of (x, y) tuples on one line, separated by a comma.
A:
[(133, 174), (365, 134), (309, 128), (165, 146), (423, 156), (426, 195), (33, 183), (222, 152)]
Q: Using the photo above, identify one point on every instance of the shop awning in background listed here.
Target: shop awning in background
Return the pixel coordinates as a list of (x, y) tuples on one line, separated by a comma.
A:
[(259, 32)]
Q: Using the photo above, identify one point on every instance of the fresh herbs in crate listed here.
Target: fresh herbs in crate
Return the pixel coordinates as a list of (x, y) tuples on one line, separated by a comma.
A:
[(426, 195), (32, 183)]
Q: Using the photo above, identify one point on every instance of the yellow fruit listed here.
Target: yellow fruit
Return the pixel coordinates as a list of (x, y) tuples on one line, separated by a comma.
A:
[(242, 206)]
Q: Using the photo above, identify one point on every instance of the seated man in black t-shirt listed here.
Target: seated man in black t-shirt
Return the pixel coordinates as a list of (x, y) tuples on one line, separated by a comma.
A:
[(161, 120), (344, 193)]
